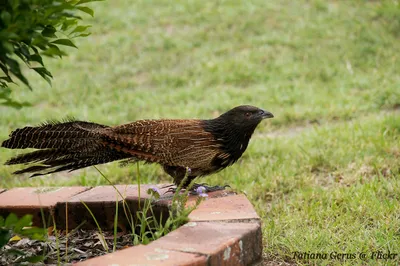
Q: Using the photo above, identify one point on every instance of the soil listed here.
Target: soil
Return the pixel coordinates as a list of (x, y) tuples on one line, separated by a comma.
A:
[(80, 245)]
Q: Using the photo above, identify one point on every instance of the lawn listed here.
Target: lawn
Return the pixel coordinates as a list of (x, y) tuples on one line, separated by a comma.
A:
[(324, 174)]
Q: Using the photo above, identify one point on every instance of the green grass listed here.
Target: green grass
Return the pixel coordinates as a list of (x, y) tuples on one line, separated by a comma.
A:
[(323, 174)]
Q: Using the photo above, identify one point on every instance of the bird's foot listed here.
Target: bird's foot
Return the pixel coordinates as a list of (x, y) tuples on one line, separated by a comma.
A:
[(198, 189), (171, 190), (170, 185)]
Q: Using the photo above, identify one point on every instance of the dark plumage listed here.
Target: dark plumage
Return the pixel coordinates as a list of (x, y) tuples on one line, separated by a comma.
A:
[(205, 146)]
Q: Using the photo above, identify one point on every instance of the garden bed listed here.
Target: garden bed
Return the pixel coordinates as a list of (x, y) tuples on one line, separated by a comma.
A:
[(80, 245), (224, 228)]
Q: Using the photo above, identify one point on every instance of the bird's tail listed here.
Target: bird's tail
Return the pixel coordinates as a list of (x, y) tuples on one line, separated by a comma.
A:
[(67, 145)]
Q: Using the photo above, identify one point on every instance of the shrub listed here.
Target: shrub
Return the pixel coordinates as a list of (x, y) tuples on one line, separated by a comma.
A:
[(30, 29), (12, 226)]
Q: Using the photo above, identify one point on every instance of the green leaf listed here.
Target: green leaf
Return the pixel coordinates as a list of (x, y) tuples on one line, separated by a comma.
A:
[(82, 35), (7, 46), (5, 236), (2, 221), (15, 104), (21, 56), (5, 17), (66, 42), (7, 79), (69, 23), (145, 240), (136, 240), (4, 68), (49, 31), (73, 2), (24, 50), (6, 35), (87, 1), (81, 28), (86, 10), (11, 220), (44, 73), (25, 221), (4, 94), (16, 71), (53, 50), (34, 233), (40, 42), (36, 58), (16, 252), (83, 2), (34, 259)]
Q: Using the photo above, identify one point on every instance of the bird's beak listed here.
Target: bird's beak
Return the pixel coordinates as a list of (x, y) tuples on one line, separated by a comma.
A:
[(265, 114)]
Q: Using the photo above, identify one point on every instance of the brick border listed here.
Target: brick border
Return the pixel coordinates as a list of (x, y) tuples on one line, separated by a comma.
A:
[(223, 230)]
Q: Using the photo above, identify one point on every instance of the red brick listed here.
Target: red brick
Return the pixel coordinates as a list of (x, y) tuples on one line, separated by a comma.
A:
[(109, 194), (146, 255), (231, 208), (211, 195), (102, 203), (37, 197), (23, 201), (223, 243)]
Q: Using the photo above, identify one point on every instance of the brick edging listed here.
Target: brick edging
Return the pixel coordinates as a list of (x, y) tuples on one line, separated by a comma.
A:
[(223, 230)]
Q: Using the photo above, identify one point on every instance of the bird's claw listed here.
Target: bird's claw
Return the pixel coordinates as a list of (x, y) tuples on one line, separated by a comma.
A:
[(168, 186), (194, 189), (171, 189)]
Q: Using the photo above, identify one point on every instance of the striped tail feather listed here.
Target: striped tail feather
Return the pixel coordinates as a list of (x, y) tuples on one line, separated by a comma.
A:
[(68, 145), (51, 135), (63, 164)]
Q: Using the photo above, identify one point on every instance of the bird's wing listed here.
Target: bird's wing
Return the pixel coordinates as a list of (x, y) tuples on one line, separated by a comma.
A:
[(170, 142)]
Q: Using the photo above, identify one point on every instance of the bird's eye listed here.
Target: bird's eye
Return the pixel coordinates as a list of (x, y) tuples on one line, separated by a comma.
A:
[(247, 114)]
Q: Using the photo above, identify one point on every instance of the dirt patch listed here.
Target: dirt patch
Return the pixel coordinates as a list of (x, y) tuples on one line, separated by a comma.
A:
[(79, 246)]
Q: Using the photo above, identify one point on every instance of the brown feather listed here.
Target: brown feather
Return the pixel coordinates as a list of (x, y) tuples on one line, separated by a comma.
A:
[(205, 146)]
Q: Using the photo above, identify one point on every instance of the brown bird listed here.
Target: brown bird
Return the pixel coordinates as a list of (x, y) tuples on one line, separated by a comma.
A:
[(203, 146)]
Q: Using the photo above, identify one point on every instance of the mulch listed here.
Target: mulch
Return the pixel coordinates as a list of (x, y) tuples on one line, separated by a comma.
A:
[(80, 245)]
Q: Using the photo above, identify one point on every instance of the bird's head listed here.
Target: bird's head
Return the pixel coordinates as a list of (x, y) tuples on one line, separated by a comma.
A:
[(246, 116), (234, 129)]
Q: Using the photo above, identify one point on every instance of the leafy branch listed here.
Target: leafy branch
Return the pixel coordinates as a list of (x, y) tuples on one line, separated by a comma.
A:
[(30, 29)]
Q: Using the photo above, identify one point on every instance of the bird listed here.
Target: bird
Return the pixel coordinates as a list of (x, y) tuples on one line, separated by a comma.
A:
[(185, 148)]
